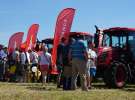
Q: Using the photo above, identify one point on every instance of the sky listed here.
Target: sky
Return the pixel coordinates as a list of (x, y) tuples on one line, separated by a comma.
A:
[(19, 15)]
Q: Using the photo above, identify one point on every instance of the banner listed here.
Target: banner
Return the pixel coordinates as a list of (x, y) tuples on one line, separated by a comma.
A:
[(62, 29), (32, 36), (15, 41)]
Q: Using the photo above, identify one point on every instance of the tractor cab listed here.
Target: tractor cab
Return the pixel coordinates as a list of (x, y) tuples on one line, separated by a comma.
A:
[(116, 44), (116, 55)]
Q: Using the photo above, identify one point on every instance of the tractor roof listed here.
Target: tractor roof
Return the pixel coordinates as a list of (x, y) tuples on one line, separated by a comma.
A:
[(119, 30)]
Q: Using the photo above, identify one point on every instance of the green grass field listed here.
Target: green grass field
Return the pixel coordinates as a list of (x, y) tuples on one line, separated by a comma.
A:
[(35, 91)]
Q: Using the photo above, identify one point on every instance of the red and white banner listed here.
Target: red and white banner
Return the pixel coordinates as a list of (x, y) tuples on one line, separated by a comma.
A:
[(15, 41), (62, 29), (32, 36)]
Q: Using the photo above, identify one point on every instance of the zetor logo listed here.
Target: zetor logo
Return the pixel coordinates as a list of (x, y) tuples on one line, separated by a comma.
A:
[(64, 26)]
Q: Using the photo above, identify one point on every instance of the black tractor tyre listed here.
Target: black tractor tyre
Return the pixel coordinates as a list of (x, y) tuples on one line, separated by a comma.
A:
[(119, 74), (116, 75)]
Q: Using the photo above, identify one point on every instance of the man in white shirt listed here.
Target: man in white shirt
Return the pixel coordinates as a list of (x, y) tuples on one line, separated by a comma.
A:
[(92, 59), (33, 57), (15, 55), (34, 61)]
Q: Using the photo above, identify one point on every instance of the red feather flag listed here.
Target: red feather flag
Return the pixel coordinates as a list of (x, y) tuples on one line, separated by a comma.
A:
[(63, 26), (15, 41), (32, 36)]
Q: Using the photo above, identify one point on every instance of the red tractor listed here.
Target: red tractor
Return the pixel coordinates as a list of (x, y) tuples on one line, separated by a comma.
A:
[(116, 55)]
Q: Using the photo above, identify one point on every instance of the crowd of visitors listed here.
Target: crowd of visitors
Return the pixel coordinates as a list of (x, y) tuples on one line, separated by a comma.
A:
[(73, 59)]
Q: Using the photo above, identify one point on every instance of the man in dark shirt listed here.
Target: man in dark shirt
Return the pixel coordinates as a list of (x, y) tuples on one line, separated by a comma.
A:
[(67, 67), (60, 59)]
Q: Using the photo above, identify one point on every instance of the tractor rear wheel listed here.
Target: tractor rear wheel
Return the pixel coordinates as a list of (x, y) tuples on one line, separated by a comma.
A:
[(116, 76), (119, 74)]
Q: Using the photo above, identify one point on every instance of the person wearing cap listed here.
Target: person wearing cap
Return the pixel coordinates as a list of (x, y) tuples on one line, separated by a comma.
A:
[(45, 61)]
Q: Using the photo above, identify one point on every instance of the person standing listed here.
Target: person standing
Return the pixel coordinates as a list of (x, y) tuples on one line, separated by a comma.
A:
[(21, 69), (60, 60), (45, 61), (92, 59), (16, 61), (78, 57), (3, 57), (34, 58), (67, 67)]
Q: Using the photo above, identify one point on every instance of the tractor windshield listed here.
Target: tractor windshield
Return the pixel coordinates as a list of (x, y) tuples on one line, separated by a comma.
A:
[(120, 40), (114, 40)]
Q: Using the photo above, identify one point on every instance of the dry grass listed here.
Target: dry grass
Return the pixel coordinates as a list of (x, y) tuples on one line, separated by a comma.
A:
[(34, 91)]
